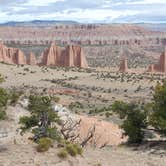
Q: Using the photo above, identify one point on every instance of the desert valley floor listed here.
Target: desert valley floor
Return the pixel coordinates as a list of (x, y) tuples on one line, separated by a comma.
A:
[(93, 88)]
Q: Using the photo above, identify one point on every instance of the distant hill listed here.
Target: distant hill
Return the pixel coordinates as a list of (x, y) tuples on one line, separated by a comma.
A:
[(43, 23), (37, 23), (154, 27)]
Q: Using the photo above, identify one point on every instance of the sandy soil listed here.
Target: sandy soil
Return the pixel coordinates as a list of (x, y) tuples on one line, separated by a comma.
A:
[(17, 150), (26, 155)]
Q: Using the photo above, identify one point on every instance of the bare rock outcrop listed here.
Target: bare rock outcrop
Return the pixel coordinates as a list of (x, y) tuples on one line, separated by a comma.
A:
[(69, 56), (75, 57), (123, 65), (31, 59), (161, 66), (11, 55), (119, 34), (52, 56)]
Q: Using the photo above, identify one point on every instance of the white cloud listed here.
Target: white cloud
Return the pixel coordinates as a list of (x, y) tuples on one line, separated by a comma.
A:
[(82, 10), (146, 2), (40, 2)]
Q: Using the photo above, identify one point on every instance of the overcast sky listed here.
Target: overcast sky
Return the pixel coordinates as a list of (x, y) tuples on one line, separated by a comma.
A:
[(85, 11)]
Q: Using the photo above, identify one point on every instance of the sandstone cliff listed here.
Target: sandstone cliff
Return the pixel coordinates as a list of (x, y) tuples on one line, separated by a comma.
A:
[(31, 59), (161, 66), (52, 56), (11, 55), (69, 56), (75, 57), (118, 34)]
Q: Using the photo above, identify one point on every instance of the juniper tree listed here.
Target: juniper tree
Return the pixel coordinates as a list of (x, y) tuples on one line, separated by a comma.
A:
[(42, 119)]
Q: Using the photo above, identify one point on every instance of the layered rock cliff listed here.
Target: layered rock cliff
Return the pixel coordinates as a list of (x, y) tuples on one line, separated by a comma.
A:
[(161, 66), (69, 56), (52, 56), (118, 34), (31, 59), (11, 55)]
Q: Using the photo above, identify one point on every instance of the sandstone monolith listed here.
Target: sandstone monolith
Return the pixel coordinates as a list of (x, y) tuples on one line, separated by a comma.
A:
[(71, 56), (123, 65)]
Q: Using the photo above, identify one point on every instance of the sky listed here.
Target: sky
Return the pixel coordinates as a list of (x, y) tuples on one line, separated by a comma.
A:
[(84, 11)]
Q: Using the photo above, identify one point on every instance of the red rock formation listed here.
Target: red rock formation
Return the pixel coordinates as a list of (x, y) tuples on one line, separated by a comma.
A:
[(70, 56), (75, 57), (31, 59), (120, 34), (52, 56), (123, 65), (161, 66), (5, 54), (11, 55), (19, 57)]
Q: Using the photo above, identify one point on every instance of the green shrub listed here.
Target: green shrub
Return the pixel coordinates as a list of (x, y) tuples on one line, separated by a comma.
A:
[(74, 149), (14, 97), (63, 142), (158, 116), (44, 144), (71, 150), (2, 115), (55, 99), (120, 108), (3, 97), (78, 148), (134, 125), (62, 153)]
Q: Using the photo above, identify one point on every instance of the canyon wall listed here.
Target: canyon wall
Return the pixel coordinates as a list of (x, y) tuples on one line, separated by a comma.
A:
[(101, 43), (118, 34)]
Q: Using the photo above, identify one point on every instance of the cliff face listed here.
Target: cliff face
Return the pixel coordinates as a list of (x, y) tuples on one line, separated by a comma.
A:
[(161, 66), (69, 56), (75, 57), (81, 35), (11, 55), (31, 59), (52, 56)]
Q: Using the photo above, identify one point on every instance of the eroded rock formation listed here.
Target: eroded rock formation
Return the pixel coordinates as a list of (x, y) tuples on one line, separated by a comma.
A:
[(52, 56), (75, 57), (123, 65), (11, 55), (161, 66), (31, 59), (69, 56)]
